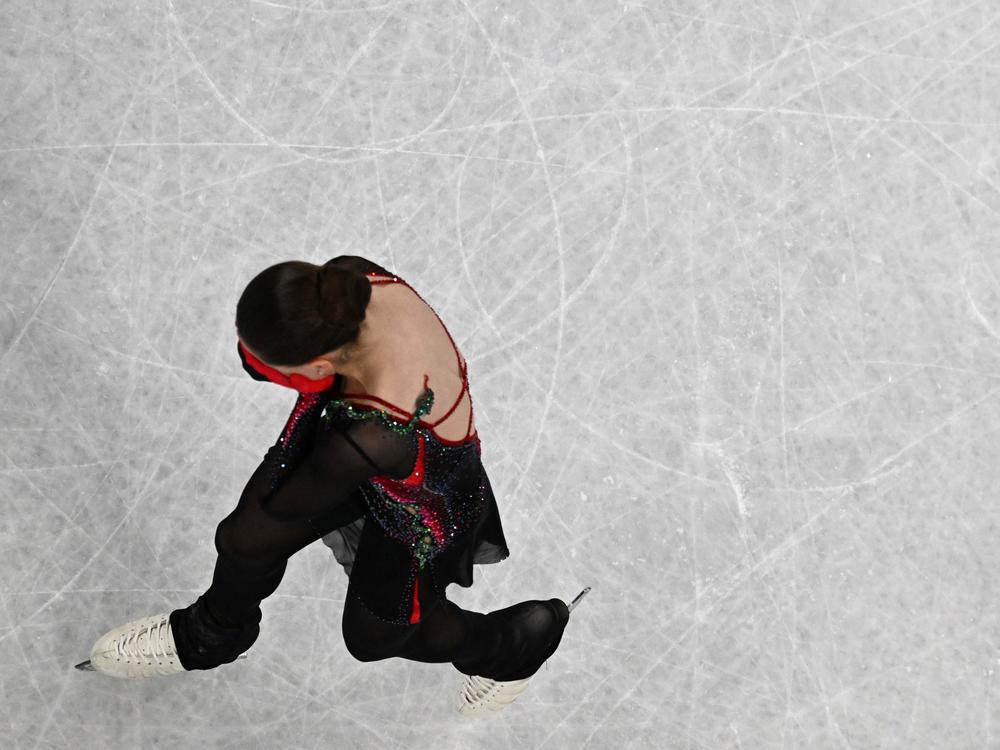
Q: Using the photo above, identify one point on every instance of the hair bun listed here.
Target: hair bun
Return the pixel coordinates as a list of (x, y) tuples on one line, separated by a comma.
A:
[(343, 295)]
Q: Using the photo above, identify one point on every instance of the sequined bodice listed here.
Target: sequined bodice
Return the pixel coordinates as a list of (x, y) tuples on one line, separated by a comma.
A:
[(415, 509), (441, 497)]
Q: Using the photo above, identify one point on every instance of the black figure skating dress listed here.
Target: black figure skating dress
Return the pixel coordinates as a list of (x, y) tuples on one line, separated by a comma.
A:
[(439, 519), (406, 513)]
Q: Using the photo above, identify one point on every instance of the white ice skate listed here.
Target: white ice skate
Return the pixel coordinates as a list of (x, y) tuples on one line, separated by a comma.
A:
[(141, 648), (482, 696)]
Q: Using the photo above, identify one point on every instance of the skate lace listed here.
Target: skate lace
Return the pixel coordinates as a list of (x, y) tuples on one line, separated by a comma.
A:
[(147, 642), (480, 688)]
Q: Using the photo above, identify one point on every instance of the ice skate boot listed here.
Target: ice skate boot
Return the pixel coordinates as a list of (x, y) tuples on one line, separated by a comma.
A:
[(483, 696), (141, 648), (148, 648)]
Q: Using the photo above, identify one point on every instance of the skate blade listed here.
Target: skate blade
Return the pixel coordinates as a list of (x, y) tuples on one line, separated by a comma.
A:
[(86, 666), (579, 596)]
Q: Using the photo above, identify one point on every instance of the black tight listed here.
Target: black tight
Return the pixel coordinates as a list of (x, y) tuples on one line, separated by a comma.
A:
[(507, 644)]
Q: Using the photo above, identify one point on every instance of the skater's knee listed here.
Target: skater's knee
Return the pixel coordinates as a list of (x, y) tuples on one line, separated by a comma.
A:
[(368, 638), (361, 654), (364, 647)]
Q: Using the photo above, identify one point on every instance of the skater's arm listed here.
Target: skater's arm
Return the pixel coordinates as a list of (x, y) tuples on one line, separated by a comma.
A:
[(270, 525), (340, 461)]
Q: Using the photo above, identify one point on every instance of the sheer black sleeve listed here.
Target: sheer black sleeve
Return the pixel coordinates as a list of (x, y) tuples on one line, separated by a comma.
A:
[(270, 525)]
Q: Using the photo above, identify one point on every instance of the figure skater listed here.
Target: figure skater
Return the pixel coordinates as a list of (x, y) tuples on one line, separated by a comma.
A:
[(402, 498)]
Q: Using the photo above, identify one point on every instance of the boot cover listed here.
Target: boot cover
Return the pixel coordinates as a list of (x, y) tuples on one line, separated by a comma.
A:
[(206, 643), (519, 639)]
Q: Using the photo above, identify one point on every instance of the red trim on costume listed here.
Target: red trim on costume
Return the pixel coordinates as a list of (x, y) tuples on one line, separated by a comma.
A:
[(416, 477), (415, 617)]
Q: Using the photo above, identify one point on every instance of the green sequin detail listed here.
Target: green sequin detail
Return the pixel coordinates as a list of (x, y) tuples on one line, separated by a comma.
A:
[(424, 405)]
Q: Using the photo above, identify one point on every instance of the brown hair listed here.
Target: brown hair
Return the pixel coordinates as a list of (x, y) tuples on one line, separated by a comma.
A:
[(293, 312)]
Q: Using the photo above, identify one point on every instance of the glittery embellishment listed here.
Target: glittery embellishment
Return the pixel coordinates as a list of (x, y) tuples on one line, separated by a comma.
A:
[(423, 407), (302, 406), (442, 498), (300, 424)]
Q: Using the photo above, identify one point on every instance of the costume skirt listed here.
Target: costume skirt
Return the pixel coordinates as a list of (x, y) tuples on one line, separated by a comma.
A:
[(383, 573)]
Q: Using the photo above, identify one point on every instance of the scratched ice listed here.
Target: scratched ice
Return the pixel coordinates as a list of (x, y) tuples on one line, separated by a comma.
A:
[(725, 275)]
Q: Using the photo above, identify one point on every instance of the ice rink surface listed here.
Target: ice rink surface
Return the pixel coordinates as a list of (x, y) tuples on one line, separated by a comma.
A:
[(727, 277)]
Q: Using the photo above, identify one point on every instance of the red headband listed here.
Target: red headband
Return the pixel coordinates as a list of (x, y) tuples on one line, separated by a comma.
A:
[(294, 381)]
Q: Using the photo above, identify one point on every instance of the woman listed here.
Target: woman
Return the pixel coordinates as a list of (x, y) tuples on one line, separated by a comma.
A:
[(401, 497)]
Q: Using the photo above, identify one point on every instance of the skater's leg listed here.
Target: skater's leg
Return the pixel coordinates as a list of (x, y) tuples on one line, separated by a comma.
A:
[(511, 643), (508, 644), (225, 621), (367, 636)]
